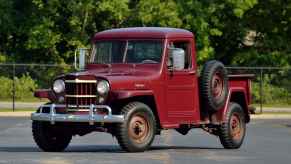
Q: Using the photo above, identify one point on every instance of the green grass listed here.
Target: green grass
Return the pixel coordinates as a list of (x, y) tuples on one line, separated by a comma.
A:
[(26, 100), (276, 113), (273, 105), (17, 110)]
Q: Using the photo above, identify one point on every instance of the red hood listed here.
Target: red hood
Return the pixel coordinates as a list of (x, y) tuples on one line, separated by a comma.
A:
[(123, 76)]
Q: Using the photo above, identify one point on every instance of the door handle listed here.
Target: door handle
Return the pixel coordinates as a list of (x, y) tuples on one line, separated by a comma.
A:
[(192, 72)]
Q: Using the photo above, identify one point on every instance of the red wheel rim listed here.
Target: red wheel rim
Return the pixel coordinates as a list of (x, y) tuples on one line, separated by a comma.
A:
[(236, 129), (138, 129), (217, 85)]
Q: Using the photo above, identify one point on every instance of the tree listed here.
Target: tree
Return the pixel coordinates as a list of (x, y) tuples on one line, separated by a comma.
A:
[(270, 19), (216, 24), (49, 31), (155, 13)]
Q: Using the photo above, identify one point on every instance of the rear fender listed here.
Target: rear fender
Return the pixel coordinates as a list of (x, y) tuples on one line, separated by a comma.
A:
[(237, 95)]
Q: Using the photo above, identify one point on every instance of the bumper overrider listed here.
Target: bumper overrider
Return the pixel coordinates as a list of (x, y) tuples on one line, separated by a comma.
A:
[(91, 118)]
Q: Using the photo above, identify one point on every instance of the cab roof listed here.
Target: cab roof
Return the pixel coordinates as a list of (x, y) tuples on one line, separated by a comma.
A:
[(143, 32)]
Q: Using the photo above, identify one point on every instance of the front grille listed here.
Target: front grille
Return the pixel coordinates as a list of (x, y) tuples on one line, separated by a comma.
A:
[(80, 94), (80, 88)]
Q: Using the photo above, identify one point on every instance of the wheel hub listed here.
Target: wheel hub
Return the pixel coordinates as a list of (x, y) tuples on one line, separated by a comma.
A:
[(236, 128), (217, 85), (138, 128)]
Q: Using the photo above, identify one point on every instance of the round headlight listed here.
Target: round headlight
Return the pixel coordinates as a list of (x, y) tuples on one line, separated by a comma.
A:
[(103, 87), (59, 86)]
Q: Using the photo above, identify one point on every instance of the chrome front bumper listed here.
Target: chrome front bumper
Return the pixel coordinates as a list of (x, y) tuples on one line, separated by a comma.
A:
[(91, 118)]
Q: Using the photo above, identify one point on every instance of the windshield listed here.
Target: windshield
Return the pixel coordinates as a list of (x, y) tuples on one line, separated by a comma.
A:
[(132, 51)]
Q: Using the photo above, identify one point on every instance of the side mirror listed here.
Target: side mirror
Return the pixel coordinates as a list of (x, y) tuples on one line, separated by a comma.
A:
[(81, 59), (177, 59)]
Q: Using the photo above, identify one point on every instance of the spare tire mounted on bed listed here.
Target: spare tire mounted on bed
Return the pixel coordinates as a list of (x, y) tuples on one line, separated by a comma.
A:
[(213, 86)]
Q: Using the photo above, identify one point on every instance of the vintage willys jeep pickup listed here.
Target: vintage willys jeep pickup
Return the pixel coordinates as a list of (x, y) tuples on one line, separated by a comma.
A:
[(138, 82)]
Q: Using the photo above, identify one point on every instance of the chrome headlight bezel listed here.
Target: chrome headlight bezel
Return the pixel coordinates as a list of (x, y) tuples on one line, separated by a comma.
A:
[(102, 87), (58, 86)]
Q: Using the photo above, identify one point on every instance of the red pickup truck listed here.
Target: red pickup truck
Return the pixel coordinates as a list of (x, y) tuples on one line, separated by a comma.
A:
[(137, 82)]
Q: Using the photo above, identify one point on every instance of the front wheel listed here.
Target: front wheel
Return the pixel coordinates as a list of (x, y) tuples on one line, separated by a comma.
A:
[(232, 132), (49, 137), (137, 132)]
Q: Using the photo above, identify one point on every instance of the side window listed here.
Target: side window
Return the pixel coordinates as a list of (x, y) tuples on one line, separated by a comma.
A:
[(187, 49)]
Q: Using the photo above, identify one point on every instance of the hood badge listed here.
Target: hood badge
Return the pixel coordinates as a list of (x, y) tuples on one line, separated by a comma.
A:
[(139, 85)]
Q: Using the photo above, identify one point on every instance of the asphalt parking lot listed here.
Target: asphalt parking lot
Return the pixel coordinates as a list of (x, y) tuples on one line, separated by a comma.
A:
[(268, 141)]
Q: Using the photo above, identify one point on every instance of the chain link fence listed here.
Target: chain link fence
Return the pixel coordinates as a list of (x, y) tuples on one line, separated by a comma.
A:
[(19, 81), (270, 87)]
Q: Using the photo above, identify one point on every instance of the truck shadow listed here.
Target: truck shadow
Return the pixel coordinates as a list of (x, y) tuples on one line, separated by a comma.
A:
[(103, 149)]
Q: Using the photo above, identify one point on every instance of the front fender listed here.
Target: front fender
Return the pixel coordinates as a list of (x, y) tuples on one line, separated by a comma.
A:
[(45, 93), (124, 94)]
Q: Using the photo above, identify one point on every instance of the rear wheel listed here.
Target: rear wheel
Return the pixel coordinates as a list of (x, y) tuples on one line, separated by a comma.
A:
[(137, 132), (232, 132), (49, 137)]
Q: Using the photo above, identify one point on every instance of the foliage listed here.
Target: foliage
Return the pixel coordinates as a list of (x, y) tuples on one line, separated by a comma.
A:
[(42, 31), (50, 31), (276, 87), (272, 94), (157, 13), (24, 87), (2, 58), (255, 58), (270, 19)]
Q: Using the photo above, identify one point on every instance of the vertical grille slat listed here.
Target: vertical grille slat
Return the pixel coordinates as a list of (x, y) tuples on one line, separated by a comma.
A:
[(85, 88)]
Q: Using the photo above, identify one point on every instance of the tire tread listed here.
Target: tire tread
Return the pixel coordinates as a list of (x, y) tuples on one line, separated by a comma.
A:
[(224, 135), (42, 143), (121, 129)]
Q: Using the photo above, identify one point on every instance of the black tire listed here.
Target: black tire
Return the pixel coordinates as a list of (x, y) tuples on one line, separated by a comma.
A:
[(50, 138), (231, 136), (213, 86), (136, 114)]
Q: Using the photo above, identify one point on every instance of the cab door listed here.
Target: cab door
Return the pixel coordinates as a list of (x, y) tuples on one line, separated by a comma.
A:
[(181, 87)]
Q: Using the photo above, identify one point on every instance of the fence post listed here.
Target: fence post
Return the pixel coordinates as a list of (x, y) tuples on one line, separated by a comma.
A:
[(13, 89), (261, 90)]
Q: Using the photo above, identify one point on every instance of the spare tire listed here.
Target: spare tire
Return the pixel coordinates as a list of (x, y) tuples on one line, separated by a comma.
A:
[(213, 86)]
